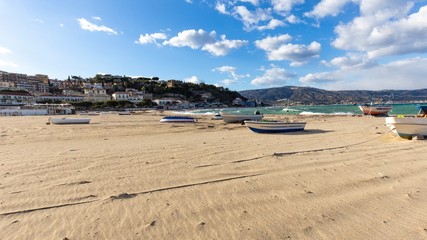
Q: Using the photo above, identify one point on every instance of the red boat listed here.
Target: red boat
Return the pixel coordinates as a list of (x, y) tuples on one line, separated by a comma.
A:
[(375, 110)]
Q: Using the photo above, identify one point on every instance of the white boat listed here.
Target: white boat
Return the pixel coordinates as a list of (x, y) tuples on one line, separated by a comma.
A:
[(274, 126), (216, 117), (69, 120), (177, 119), (240, 118), (407, 127), (375, 110)]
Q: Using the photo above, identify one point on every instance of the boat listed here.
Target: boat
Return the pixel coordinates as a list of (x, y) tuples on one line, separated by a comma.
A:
[(240, 118), (375, 110), (422, 110), (407, 127), (68, 120), (217, 117), (274, 126), (177, 119)]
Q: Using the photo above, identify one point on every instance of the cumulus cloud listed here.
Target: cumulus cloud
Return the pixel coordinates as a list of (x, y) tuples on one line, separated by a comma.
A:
[(206, 41), (273, 77), (285, 6), (384, 29), (351, 60), (96, 18), (231, 71), (193, 79), (86, 25), (251, 19), (220, 7), (278, 49), (151, 38), (274, 23), (327, 8), (402, 74)]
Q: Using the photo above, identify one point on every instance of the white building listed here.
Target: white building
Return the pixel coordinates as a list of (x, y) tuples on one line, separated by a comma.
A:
[(16, 98)]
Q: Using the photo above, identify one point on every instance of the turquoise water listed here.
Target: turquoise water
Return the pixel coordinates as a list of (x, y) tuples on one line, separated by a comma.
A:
[(398, 109)]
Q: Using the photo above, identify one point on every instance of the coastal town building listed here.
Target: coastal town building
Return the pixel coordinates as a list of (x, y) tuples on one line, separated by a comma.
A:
[(15, 98), (96, 94), (60, 98)]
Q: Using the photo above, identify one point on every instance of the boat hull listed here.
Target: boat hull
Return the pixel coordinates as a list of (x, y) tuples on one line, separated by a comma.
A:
[(407, 127), (177, 119), (275, 127), (239, 118), (69, 120), (375, 110)]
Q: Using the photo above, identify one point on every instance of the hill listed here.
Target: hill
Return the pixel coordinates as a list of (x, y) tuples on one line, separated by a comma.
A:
[(308, 95)]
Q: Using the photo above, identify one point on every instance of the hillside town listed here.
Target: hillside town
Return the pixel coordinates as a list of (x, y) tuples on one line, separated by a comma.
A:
[(17, 89)]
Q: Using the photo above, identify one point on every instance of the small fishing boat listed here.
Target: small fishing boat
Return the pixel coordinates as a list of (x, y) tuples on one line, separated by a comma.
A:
[(217, 117), (375, 110), (240, 118), (407, 127), (177, 119), (68, 120), (274, 126)]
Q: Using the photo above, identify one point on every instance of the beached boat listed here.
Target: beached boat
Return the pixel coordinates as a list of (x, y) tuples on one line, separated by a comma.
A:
[(375, 110), (407, 127), (69, 120), (240, 118), (216, 117), (177, 119), (274, 126)]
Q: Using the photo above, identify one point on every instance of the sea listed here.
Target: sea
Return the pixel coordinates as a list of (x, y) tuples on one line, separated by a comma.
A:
[(398, 109)]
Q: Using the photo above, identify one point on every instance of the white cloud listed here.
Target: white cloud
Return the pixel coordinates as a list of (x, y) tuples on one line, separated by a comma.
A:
[(271, 43), (231, 71), (203, 40), (327, 8), (86, 25), (285, 6), (193, 79), (274, 23), (220, 7), (188, 1), (292, 19), (385, 29), (402, 74), (151, 38), (351, 61), (5, 64), (251, 19), (61, 25), (4, 50), (277, 49), (97, 18), (273, 77)]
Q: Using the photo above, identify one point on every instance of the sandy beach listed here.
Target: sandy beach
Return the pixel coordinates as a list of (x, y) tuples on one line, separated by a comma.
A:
[(130, 177)]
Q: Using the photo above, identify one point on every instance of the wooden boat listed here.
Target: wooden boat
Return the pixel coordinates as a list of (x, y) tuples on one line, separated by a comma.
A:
[(177, 119), (407, 127), (240, 118), (375, 110), (69, 120), (274, 126)]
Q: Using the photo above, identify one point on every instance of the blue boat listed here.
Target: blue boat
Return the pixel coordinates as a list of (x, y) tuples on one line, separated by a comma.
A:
[(274, 126), (177, 119), (422, 109)]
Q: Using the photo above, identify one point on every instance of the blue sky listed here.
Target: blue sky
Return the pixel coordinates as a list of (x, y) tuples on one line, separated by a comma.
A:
[(238, 44)]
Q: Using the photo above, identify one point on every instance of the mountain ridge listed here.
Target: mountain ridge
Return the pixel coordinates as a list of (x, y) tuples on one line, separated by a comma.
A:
[(310, 95)]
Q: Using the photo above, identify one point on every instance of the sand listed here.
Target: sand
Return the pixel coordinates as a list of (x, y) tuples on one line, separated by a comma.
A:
[(130, 177)]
